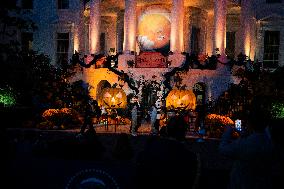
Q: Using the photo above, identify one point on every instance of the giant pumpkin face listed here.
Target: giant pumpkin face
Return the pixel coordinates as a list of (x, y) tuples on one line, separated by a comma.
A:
[(112, 98), (181, 99)]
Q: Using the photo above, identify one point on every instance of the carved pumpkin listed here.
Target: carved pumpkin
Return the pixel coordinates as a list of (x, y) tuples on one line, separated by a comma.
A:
[(181, 99), (112, 98)]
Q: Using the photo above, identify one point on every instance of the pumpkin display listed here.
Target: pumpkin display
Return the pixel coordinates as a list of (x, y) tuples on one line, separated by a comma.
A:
[(112, 98), (181, 99)]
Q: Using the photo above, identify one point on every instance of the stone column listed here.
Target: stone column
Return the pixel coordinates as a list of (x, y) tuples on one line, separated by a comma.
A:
[(219, 30), (246, 29), (95, 24), (79, 34), (187, 29), (177, 15), (129, 43), (209, 35), (119, 30)]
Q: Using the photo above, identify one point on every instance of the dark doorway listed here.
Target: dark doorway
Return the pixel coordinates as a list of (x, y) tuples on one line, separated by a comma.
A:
[(230, 44), (195, 36), (102, 42)]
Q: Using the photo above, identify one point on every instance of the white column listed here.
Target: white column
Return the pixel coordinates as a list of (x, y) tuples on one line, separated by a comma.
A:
[(187, 29), (95, 24), (79, 34), (219, 30), (246, 28), (119, 31), (177, 15), (129, 43)]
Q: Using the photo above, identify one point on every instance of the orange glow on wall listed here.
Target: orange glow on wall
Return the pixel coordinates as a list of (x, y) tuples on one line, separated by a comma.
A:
[(220, 11), (247, 44), (94, 76)]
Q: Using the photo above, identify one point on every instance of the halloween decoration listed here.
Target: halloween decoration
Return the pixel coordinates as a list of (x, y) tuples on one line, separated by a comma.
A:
[(181, 99), (112, 98)]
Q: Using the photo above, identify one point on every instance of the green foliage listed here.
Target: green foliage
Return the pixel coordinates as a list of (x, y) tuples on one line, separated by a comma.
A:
[(277, 110), (7, 97)]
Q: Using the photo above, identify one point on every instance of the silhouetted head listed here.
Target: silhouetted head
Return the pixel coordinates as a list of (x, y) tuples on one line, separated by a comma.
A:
[(176, 128)]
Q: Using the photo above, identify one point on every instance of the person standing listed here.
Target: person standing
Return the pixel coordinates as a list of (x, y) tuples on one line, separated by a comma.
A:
[(167, 162), (97, 111), (88, 116), (153, 116), (134, 119), (252, 154), (159, 117)]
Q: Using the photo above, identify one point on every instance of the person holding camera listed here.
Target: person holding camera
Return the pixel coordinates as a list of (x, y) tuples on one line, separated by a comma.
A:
[(252, 153)]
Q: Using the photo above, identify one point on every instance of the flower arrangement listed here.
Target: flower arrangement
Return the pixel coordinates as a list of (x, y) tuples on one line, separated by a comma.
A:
[(218, 119), (215, 124), (202, 58), (59, 118)]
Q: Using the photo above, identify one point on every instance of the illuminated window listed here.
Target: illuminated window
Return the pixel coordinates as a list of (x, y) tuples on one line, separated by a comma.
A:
[(271, 49), (62, 48), (27, 4), (63, 4)]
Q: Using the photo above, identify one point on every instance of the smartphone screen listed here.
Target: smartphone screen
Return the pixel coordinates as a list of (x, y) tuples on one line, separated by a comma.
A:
[(238, 124)]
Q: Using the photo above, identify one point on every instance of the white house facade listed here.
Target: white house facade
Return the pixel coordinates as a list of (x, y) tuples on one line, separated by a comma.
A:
[(227, 27)]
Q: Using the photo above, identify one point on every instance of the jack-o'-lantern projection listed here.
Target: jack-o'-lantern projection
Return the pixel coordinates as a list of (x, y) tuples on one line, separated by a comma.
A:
[(181, 99), (112, 98)]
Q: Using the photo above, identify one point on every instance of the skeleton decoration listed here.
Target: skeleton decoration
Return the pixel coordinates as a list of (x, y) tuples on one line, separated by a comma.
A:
[(141, 84)]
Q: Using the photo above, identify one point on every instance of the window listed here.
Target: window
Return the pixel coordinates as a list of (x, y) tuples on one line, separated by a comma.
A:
[(273, 1), (62, 49), (230, 44), (195, 35), (27, 40), (63, 4), (271, 49), (27, 4)]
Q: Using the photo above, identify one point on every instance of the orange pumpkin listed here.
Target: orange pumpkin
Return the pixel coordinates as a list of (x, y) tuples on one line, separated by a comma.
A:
[(181, 99), (112, 98)]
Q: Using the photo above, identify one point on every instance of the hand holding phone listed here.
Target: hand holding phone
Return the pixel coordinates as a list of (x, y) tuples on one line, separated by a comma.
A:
[(238, 124)]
